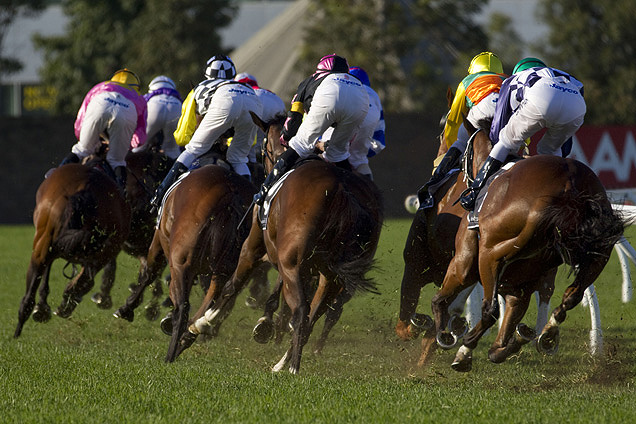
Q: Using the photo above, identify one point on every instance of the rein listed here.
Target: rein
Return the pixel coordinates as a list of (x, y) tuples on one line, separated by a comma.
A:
[(467, 159)]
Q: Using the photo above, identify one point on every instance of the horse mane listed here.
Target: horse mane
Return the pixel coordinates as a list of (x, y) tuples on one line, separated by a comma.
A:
[(354, 227), (580, 225)]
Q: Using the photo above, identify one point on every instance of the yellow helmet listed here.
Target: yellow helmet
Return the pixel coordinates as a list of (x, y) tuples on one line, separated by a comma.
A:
[(485, 61), (127, 77)]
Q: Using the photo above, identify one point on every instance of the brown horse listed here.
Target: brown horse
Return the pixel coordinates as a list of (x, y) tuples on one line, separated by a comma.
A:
[(324, 222), (198, 236), (542, 212), (146, 169), (80, 216)]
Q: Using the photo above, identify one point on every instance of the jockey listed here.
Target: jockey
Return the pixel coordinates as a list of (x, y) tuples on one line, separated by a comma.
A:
[(224, 104), (272, 106), (329, 97), (370, 138), (475, 98), (116, 108), (533, 98), (164, 110)]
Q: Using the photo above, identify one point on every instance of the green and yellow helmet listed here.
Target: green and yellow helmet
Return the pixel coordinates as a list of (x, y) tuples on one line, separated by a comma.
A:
[(127, 77), (527, 63), (485, 61)]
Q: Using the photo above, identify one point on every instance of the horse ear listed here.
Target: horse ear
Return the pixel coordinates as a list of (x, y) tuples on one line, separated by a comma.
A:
[(449, 96), (258, 122)]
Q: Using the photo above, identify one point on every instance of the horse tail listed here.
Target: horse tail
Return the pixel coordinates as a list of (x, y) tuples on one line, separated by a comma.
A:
[(77, 220), (221, 241), (582, 225), (351, 234)]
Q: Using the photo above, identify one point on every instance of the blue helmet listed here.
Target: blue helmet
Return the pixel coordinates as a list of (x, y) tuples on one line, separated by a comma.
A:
[(361, 74)]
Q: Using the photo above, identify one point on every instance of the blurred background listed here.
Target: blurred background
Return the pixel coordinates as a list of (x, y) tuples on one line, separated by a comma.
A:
[(53, 52)]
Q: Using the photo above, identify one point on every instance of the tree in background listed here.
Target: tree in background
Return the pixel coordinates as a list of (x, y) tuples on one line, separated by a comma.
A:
[(149, 37), (9, 11), (595, 40), (504, 40), (411, 49)]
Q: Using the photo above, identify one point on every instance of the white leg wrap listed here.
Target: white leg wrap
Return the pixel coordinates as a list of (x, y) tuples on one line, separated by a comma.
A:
[(553, 322), (464, 352)]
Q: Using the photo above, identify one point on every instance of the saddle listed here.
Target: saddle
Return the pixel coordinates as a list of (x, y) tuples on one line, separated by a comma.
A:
[(263, 211)]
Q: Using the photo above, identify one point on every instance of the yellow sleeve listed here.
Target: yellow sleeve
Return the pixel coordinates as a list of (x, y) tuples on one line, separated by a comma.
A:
[(187, 121), (456, 115)]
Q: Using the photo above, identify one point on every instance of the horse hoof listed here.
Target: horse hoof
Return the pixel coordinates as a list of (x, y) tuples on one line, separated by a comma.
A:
[(102, 301), (420, 323), (462, 365), (446, 340), (548, 341), (41, 313), (458, 326), (524, 334), (166, 324), (263, 331), (167, 303), (152, 311), (186, 341), (124, 314)]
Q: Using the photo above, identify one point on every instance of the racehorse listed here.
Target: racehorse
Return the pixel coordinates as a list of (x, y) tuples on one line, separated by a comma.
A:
[(323, 222), (542, 212), (146, 169), (198, 236), (80, 216)]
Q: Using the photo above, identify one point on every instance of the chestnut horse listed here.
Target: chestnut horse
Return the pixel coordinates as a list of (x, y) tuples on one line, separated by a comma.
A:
[(198, 236), (542, 212), (324, 222), (146, 169), (80, 216)]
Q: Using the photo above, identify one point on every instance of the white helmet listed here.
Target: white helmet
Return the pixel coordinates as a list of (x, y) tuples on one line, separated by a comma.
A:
[(161, 81)]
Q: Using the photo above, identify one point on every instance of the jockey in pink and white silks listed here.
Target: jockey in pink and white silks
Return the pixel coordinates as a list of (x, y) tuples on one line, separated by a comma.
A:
[(535, 97), (224, 104), (164, 110), (113, 107), (330, 97)]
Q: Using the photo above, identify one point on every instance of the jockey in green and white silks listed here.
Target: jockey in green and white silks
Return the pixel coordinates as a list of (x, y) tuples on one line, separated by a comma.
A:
[(535, 97)]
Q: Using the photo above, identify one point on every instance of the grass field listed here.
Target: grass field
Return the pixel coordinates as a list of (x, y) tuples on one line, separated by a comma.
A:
[(93, 368)]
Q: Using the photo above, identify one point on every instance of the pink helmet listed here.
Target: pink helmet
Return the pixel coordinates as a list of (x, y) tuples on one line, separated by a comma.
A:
[(333, 63)]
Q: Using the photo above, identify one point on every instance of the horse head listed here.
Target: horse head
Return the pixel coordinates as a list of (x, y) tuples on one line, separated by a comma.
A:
[(272, 146)]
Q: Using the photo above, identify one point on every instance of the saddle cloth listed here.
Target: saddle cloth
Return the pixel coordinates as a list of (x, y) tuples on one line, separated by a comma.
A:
[(473, 216), (263, 211), (170, 190)]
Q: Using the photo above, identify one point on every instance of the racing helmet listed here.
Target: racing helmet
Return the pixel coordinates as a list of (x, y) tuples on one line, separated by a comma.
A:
[(485, 61), (361, 74), (246, 78), (527, 63), (161, 81), (127, 77), (333, 63), (220, 66)]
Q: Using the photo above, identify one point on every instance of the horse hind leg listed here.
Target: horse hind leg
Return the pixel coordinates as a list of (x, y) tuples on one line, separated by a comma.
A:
[(34, 278), (76, 289), (512, 335), (102, 298), (180, 294), (42, 311), (332, 315), (264, 329), (463, 358)]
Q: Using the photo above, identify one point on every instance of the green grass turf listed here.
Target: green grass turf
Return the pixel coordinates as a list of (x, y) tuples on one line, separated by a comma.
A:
[(92, 368)]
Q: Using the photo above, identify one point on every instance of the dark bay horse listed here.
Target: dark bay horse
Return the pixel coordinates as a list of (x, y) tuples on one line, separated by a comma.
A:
[(197, 236), (146, 169), (82, 217), (324, 222), (542, 212)]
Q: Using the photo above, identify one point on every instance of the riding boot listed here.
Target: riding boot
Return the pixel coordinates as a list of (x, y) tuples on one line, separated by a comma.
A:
[(121, 177), (448, 162), (469, 196), (70, 158), (284, 163), (177, 169)]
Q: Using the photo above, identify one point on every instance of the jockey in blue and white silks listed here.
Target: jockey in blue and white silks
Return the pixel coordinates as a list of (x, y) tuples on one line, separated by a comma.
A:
[(535, 97)]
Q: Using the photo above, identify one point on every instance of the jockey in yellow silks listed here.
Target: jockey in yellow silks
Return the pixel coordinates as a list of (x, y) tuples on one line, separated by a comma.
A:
[(475, 99)]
